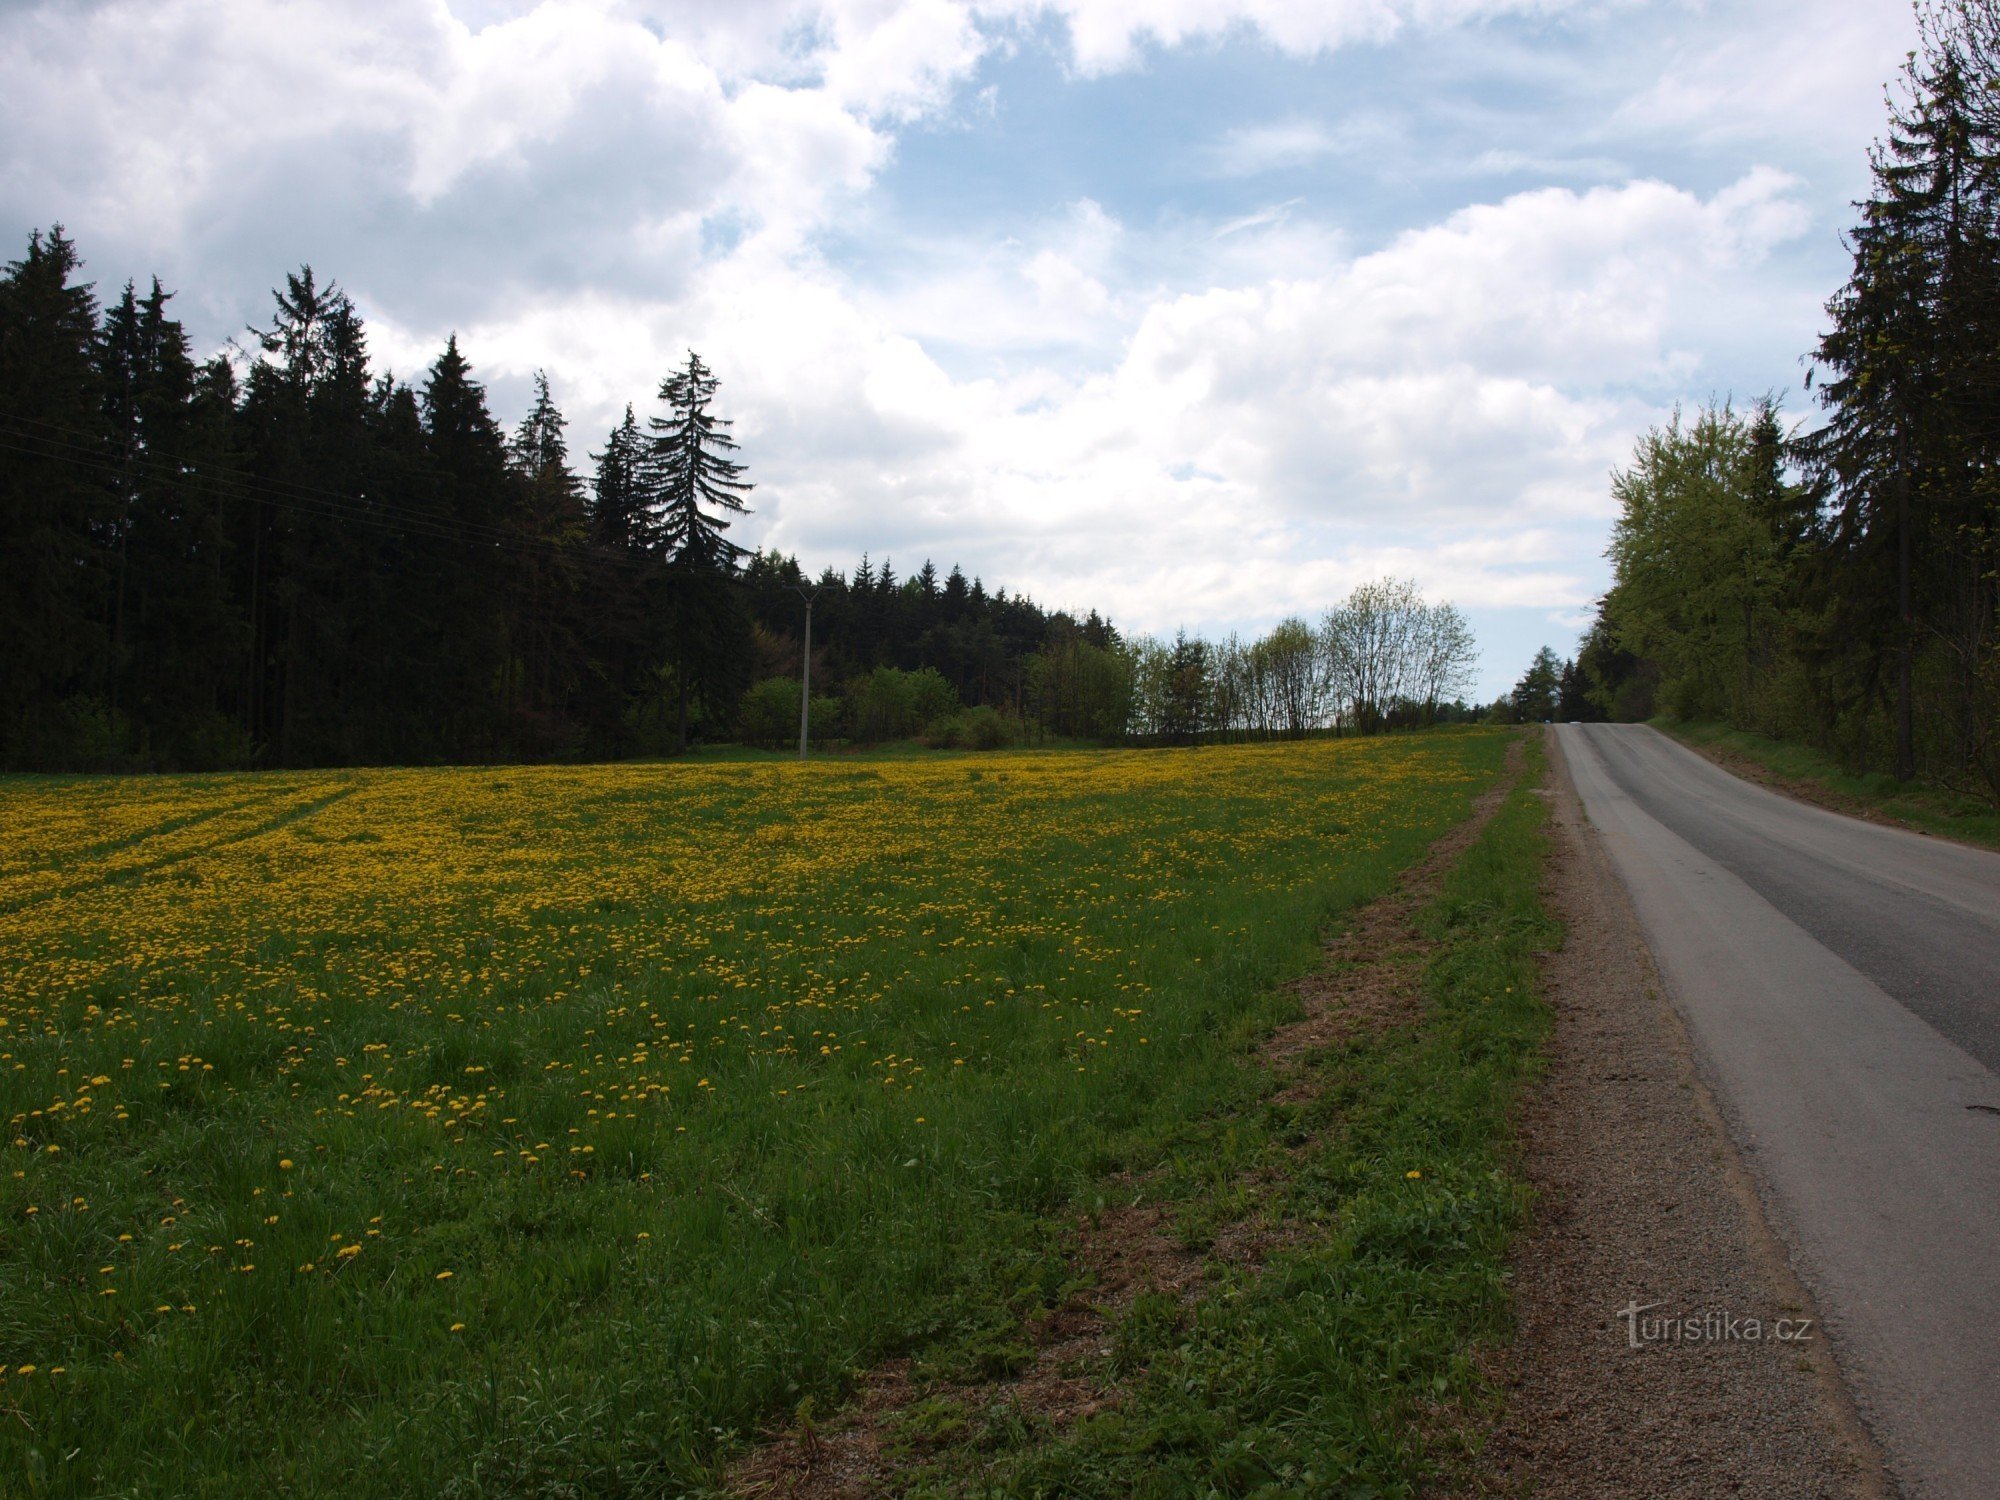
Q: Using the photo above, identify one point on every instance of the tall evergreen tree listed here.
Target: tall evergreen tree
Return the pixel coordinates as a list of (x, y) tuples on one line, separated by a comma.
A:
[(469, 464), (551, 525), (694, 483), (303, 408), (173, 639), (695, 488), (54, 503), (1902, 355), (619, 518)]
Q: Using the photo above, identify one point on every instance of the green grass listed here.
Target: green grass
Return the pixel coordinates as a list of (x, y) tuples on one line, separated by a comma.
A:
[(1347, 1366), (708, 1085), (1935, 810)]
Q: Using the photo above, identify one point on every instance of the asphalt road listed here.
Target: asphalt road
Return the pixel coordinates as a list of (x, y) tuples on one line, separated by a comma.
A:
[(1841, 984)]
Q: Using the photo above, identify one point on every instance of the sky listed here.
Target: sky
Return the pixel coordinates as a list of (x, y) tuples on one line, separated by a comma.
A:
[(1197, 312)]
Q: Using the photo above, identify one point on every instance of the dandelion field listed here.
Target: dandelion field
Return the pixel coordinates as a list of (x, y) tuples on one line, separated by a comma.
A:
[(554, 1130)]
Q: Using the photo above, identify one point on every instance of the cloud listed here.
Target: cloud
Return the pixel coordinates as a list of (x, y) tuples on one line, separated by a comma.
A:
[(1722, 82), (1233, 452), (564, 144), (1296, 141), (1109, 35)]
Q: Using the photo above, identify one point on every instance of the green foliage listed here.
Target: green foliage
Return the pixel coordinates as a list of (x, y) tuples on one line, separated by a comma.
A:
[(983, 728), (1696, 565), (888, 704), (78, 734), (980, 728), (769, 715), (1859, 609), (1537, 694), (1080, 690)]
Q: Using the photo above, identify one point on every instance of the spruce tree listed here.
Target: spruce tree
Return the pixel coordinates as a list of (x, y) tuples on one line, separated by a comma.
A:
[(469, 464), (54, 504), (695, 487), (694, 483), (550, 524), (619, 518), (621, 593), (1905, 353)]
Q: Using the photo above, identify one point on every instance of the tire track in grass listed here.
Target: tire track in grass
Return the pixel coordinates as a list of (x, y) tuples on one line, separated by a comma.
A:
[(123, 874), (1135, 1259), (51, 860)]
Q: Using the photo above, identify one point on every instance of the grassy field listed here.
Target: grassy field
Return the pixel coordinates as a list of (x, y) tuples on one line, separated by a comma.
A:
[(552, 1130), (1820, 778), (1350, 1359)]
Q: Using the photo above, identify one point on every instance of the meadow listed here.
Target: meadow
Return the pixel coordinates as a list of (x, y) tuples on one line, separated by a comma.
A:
[(556, 1130)]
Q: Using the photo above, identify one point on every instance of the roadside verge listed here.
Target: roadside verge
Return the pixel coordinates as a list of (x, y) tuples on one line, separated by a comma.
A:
[(1650, 1292), (1805, 775)]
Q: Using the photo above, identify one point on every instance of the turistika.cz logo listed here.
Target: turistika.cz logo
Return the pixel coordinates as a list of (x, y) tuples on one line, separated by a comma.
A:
[(1711, 1326)]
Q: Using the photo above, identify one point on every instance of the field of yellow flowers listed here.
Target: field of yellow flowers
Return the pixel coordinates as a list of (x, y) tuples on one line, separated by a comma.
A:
[(554, 1129)]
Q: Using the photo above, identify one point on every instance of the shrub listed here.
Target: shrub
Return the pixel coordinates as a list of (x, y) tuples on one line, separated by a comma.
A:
[(888, 704), (769, 714), (985, 729), (932, 696)]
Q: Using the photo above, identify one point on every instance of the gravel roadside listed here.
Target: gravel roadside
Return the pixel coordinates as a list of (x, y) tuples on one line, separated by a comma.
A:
[(1649, 1289)]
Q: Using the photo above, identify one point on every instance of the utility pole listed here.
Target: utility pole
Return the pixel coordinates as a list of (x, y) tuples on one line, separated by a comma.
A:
[(806, 670)]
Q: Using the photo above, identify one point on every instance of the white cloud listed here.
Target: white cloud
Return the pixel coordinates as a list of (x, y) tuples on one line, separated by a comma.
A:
[(1107, 35), (1248, 150), (1447, 406), (1772, 72)]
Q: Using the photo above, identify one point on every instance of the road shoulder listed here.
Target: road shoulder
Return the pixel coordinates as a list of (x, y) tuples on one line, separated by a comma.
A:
[(1642, 1199), (1932, 822)]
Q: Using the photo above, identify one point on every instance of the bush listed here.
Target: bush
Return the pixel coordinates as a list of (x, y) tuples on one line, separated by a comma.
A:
[(932, 696), (891, 705), (945, 733), (213, 742), (983, 728), (769, 714)]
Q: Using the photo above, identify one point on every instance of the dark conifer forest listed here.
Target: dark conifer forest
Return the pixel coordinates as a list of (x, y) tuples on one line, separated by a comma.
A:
[(289, 558)]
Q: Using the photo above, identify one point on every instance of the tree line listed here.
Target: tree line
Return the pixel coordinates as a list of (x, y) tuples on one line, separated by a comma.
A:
[(1841, 585), (1383, 659), (281, 556), (948, 664)]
